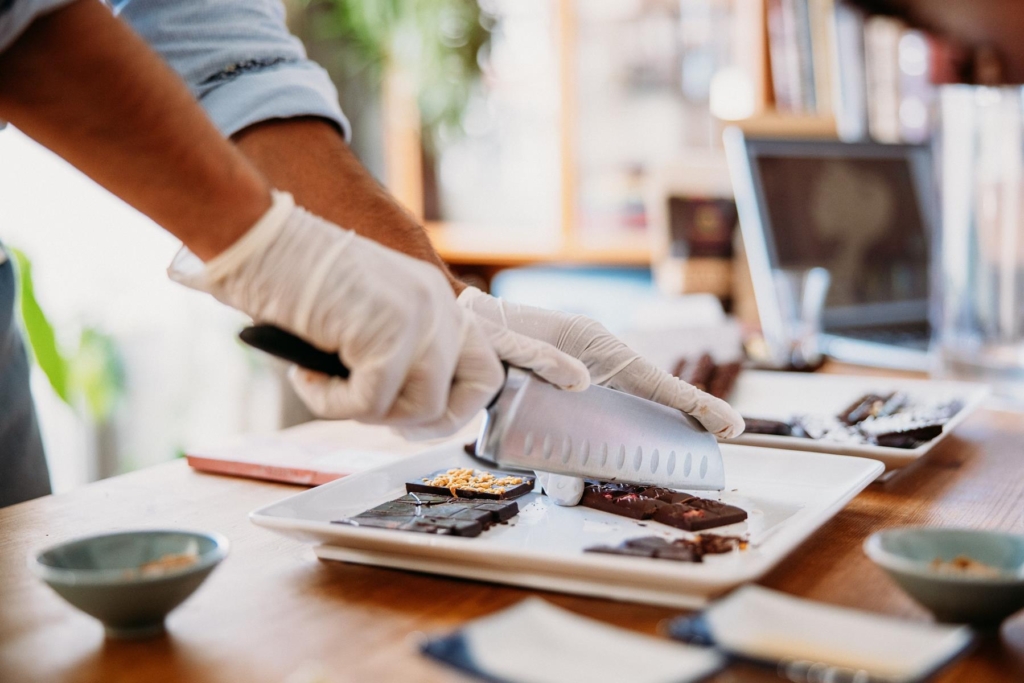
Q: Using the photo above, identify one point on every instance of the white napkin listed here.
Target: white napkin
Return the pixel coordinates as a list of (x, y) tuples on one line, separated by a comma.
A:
[(765, 625), (536, 642)]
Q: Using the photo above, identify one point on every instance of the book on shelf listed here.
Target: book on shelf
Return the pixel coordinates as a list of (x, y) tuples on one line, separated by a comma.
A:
[(850, 96), (873, 75), (881, 64)]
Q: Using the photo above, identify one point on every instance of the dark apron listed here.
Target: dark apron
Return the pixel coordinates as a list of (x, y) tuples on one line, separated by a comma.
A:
[(23, 473)]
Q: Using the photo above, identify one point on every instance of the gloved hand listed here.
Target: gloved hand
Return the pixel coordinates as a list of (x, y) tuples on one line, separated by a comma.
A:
[(611, 364), (418, 362)]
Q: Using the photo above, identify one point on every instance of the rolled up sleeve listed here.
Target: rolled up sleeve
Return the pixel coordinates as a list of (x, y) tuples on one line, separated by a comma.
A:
[(238, 58), (16, 15)]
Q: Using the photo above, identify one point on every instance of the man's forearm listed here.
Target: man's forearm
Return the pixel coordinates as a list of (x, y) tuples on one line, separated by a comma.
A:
[(309, 158), (82, 84)]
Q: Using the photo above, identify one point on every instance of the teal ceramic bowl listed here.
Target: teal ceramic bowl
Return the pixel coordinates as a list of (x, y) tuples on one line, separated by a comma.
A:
[(984, 599), (130, 580)]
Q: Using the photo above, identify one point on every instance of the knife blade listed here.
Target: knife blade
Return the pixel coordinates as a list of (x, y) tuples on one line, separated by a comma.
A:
[(599, 433)]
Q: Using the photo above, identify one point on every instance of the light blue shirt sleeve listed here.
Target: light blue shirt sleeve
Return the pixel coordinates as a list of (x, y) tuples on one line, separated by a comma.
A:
[(16, 15), (237, 57)]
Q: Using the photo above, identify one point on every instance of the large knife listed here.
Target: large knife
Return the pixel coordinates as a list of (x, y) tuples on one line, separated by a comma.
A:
[(598, 434)]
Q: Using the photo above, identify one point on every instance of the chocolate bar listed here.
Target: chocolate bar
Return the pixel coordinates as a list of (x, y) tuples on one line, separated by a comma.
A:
[(679, 550), (723, 379), (469, 483), (698, 514), (873, 405), (424, 525), (620, 499), (773, 427), (904, 430), (435, 514), (673, 508), (698, 373)]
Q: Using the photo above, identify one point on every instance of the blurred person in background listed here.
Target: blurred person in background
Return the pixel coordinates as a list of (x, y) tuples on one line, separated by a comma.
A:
[(84, 85)]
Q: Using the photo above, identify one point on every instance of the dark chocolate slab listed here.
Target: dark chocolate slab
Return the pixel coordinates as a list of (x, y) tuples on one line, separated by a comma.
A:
[(699, 372), (674, 508), (774, 427), (434, 514), (509, 493), (724, 379), (679, 550), (424, 525), (872, 405), (698, 514), (625, 500)]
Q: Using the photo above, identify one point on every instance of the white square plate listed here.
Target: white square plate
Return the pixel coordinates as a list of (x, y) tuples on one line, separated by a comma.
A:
[(786, 494), (784, 395)]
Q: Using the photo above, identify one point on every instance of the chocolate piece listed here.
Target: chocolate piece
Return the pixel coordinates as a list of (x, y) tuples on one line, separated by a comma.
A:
[(698, 373), (502, 511), (620, 499), (698, 514), (723, 379), (489, 511), (774, 427), (666, 495), (509, 492), (424, 499), (713, 544), (680, 367), (827, 428), (679, 550), (424, 525), (910, 437), (625, 548), (674, 508), (910, 428), (434, 514), (864, 407), (470, 448)]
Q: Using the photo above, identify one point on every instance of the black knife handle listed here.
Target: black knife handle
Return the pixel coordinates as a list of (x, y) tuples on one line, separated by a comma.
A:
[(285, 345)]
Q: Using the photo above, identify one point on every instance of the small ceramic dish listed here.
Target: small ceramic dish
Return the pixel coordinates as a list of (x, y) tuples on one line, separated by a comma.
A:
[(961, 575), (130, 580)]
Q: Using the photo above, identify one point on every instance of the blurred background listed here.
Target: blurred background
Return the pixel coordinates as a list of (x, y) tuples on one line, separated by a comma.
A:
[(566, 153)]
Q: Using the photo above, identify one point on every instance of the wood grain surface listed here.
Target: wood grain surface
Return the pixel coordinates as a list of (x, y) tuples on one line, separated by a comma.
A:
[(272, 608)]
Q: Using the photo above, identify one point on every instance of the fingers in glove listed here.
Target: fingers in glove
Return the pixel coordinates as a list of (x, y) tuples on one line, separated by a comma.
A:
[(367, 395), (643, 379), (717, 416), (478, 377), (542, 358), (564, 490)]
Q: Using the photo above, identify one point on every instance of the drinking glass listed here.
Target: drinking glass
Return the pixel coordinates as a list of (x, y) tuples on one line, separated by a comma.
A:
[(978, 288), (800, 293)]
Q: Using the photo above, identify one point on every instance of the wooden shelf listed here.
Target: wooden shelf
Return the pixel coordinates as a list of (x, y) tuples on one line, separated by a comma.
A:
[(463, 245), (775, 124)]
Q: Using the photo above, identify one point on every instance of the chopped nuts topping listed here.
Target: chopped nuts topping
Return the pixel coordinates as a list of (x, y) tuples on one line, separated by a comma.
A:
[(467, 479)]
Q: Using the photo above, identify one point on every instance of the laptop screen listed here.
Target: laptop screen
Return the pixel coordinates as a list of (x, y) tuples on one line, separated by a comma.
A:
[(859, 216)]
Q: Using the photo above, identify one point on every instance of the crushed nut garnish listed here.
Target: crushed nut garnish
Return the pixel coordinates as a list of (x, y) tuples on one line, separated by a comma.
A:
[(467, 479)]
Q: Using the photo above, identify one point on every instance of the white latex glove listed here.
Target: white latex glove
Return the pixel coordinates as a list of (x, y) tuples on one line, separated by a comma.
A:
[(611, 363), (418, 362)]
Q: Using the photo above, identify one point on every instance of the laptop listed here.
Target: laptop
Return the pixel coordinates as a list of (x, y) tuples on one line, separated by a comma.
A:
[(863, 211)]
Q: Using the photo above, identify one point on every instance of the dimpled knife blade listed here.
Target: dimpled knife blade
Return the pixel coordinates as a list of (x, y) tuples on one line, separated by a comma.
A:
[(599, 434)]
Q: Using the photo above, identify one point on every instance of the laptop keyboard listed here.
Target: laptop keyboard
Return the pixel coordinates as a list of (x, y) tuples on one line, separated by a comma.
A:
[(915, 338)]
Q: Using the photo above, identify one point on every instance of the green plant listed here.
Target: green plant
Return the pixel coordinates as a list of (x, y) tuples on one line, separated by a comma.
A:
[(91, 379), (438, 42)]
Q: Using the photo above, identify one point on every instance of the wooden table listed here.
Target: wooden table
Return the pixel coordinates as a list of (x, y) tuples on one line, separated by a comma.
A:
[(272, 608)]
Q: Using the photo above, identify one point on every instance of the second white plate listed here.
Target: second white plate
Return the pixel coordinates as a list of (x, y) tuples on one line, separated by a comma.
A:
[(783, 395)]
